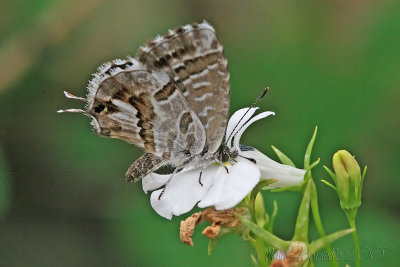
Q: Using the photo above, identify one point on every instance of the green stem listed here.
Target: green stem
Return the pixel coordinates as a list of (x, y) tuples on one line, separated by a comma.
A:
[(302, 221), (262, 234), (318, 223), (260, 251), (351, 217)]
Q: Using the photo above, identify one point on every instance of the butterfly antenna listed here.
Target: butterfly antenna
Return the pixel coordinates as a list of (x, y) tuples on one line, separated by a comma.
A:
[(72, 110), (252, 106), (69, 95)]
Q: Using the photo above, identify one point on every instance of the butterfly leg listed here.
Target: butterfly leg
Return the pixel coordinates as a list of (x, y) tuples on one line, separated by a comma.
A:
[(223, 165), (162, 192), (226, 169), (201, 172), (166, 184)]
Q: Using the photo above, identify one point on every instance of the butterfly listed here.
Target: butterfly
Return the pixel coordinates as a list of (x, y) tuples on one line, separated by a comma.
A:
[(172, 100)]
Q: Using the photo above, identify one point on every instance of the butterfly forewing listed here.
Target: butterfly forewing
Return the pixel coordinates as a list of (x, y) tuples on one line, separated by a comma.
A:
[(194, 58)]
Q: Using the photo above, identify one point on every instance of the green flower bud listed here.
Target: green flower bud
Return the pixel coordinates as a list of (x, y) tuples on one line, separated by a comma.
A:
[(348, 185), (348, 179), (259, 210)]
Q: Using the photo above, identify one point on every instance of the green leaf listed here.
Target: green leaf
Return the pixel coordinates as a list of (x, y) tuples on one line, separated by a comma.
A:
[(318, 222), (283, 158), (364, 172), (329, 184), (315, 210), (363, 175), (259, 210), (315, 163), (301, 228), (273, 216), (294, 188), (362, 182), (254, 259), (263, 234), (267, 220), (251, 202), (260, 186), (307, 155), (331, 173), (326, 240), (246, 235)]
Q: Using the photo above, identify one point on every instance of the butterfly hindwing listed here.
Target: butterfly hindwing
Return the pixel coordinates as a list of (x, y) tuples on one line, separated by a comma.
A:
[(194, 58), (146, 108)]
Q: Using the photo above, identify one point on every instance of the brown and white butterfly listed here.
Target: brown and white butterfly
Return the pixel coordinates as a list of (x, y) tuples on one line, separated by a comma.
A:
[(172, 100)]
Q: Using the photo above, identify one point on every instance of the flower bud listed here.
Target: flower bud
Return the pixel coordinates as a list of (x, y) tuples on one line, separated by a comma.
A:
[(348, 179)]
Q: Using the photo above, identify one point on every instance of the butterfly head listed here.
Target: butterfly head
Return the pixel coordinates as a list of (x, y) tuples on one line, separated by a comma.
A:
[(226, 155)]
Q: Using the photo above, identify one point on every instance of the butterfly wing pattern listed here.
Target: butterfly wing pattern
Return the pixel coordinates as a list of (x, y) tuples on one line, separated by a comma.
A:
[(172, 99), (194, 58)]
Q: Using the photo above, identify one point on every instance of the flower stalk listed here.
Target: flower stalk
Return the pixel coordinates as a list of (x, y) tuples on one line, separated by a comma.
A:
[(348, 182)]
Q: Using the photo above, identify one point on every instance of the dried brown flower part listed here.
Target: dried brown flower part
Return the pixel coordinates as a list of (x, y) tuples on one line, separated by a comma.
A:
[(217, 218), (226, 218), (187, 228), (295, 257), (212, 231), (297, 254), (279, 263)]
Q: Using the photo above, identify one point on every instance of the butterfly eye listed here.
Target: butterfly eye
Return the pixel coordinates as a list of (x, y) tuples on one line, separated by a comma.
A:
[(225, 157), (99, 108)]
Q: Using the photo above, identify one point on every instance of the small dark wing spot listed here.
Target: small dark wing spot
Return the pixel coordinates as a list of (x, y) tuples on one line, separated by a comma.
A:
[(99, 108), (179, 30), (125, 65)]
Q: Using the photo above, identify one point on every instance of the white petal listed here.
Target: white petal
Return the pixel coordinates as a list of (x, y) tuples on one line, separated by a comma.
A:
[(270, 169), (241, 131), (154, 181), (182, 192), (234, 120), (228, 189)]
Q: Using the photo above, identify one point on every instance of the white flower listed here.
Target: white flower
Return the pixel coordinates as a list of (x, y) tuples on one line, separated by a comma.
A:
[(218, 187)]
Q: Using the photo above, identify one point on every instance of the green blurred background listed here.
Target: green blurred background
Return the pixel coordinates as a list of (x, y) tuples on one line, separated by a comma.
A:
[(63, 198)]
